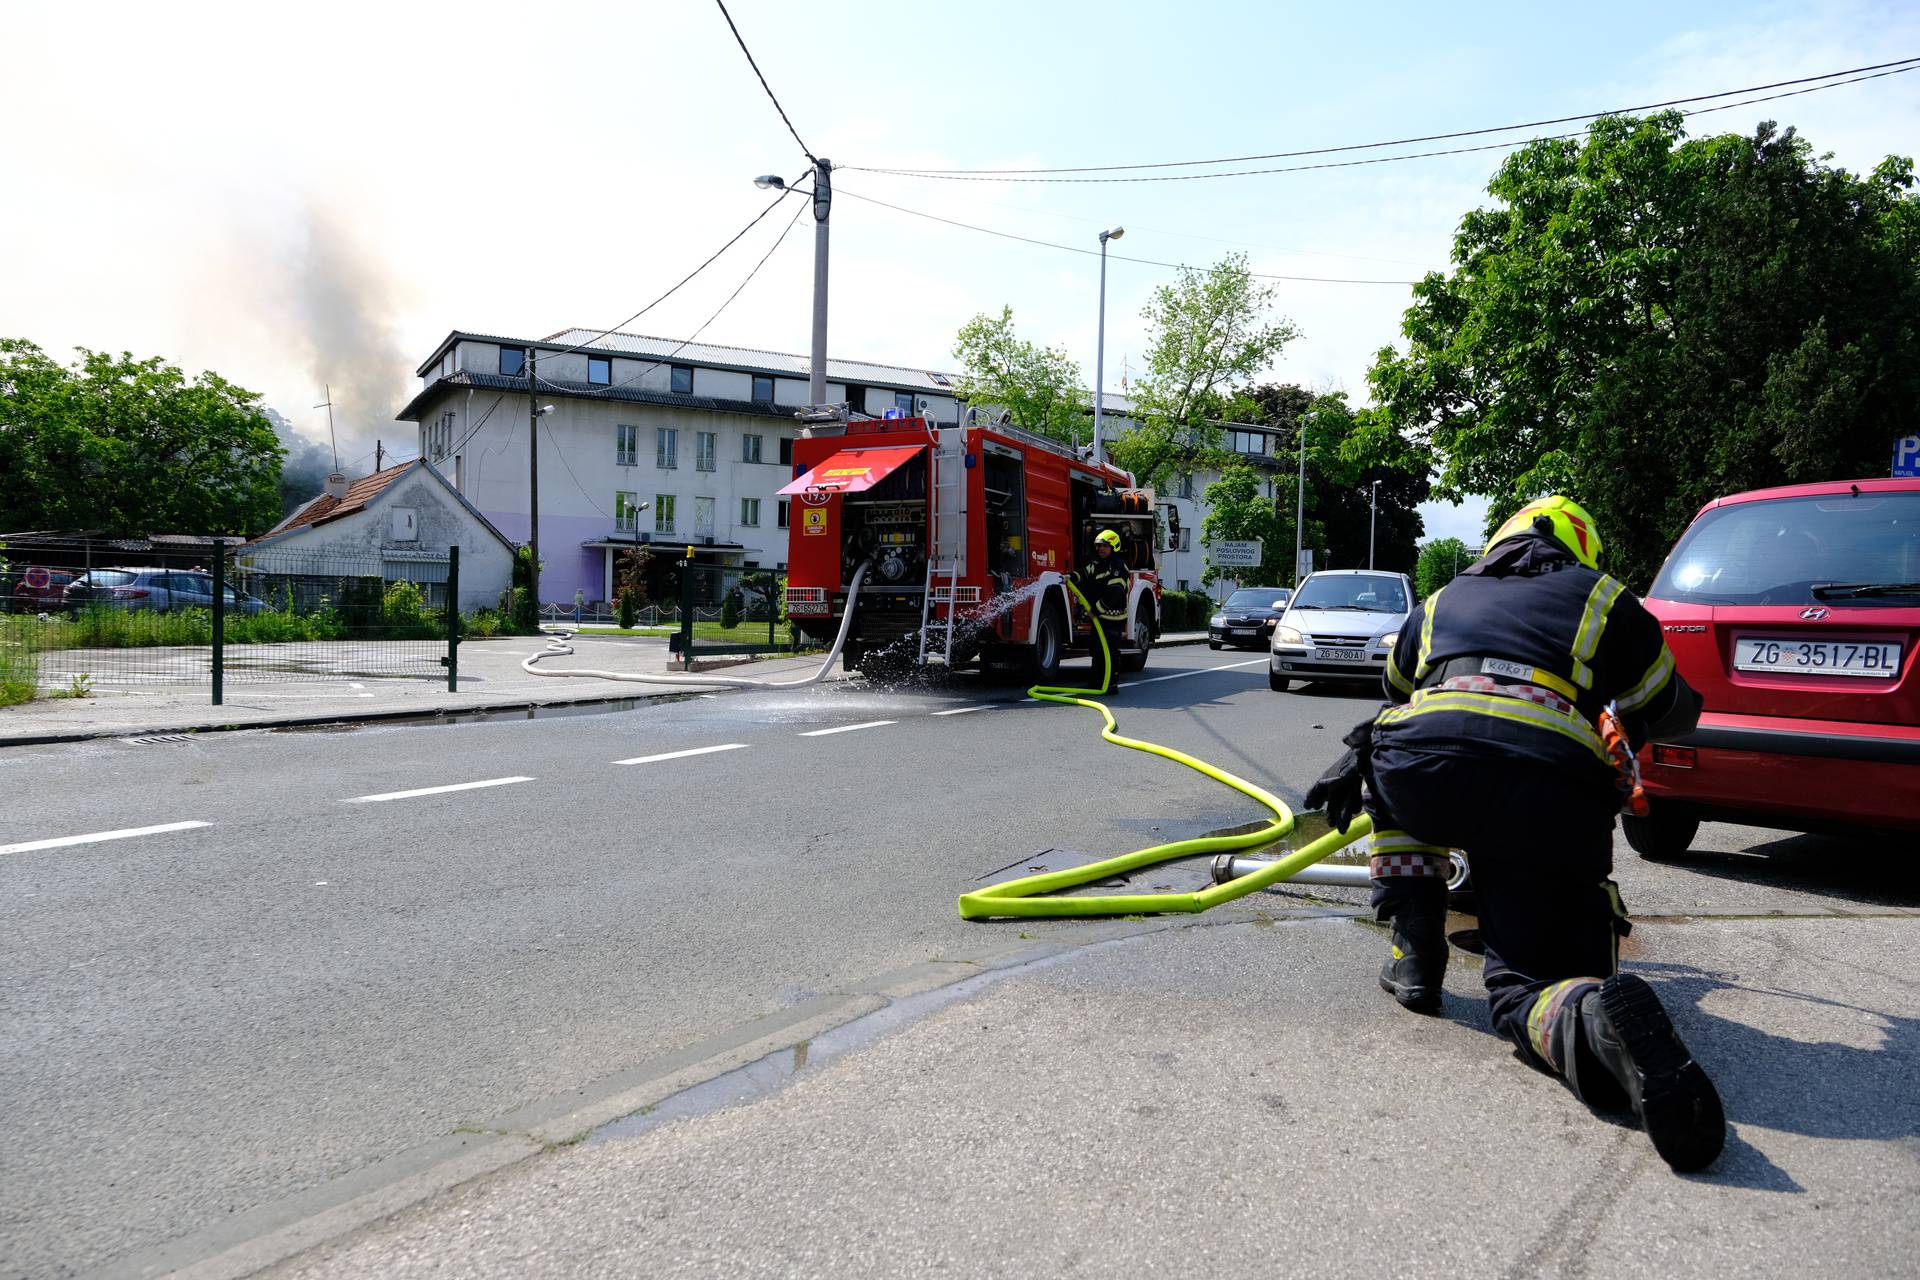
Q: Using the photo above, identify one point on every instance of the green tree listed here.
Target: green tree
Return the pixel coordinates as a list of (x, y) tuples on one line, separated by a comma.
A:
[(1240, 510), (629, 611), (130, 446), (1039, 387), (1646, 322), (1208, 333), (1439, 561)]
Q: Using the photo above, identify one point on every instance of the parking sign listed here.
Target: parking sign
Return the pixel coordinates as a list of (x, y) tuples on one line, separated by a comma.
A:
[(1906, 456)]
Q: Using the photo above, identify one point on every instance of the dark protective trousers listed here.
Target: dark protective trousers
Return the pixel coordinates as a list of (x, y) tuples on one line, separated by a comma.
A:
[(1539, 841)]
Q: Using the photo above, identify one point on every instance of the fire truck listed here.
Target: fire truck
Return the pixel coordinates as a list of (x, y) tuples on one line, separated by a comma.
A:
[(967, 533)]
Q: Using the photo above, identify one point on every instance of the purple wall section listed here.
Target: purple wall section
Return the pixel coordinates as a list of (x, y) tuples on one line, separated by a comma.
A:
[(566, 565)]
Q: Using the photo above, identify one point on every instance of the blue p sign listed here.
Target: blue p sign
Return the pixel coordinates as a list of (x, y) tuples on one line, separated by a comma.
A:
[(1906, 456)]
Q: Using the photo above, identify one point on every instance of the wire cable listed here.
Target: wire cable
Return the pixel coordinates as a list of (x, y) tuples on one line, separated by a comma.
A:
[(1902, 64), (1117, 257), (804, 149)]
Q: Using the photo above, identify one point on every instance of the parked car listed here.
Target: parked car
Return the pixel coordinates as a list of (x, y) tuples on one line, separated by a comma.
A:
[(36, 588), (1795, 612), (1340, 625), (1246, 620), (156, 589)]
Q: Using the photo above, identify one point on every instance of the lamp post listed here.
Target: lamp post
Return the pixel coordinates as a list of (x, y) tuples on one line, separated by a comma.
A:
[(1300, 515), (1373, 509), (822, 207), (1100, 348)]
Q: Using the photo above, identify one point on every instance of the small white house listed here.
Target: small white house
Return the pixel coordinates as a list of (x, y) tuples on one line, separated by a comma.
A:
[(399, 523)]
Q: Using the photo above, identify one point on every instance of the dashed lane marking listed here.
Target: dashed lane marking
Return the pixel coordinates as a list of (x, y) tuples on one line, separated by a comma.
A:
[(846, 728), (433, 791), (96, 837), (681, 755), (960, 711)]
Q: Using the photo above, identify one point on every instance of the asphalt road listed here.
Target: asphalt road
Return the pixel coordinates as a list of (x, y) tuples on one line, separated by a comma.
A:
[(384, 936)]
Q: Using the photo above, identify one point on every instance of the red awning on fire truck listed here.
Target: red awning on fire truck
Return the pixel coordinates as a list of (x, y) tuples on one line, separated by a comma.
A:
[(853, 470)]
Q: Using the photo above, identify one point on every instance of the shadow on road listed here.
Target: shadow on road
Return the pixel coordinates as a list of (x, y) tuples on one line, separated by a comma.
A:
[(1860, 869)]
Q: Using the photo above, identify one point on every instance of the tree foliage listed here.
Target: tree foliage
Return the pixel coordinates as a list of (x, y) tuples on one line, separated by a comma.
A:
[(1240, 509), (1439, 561), (130, 446), (1646, 322), (1208, 333), (1039, 387)]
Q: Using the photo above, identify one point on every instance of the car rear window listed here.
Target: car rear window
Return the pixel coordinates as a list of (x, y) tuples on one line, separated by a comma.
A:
[(108, 578), (1776, 551)]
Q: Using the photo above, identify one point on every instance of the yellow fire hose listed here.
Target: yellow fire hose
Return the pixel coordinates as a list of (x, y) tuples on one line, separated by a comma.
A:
[(1032, 896)]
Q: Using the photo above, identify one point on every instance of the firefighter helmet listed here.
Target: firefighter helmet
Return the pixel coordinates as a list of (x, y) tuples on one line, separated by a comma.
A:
[(1109, 538), (1559, 518)]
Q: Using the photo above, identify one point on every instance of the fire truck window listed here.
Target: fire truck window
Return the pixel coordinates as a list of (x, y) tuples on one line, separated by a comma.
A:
[(1006, 522)]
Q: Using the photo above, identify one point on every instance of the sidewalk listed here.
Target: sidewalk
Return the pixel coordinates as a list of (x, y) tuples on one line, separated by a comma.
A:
[(491, 679), (1237, 1098)]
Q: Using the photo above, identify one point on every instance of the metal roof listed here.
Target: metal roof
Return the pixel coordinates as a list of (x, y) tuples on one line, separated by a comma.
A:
[(586, 391)]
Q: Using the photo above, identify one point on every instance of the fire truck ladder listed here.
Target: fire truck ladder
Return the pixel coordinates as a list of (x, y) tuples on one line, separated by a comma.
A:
[(947, 502)]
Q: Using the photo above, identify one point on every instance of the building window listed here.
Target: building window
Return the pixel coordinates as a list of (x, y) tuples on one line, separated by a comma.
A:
[(785, 513), (666, 443), (750, 512), (599, 371), (1186, 542), (681, 380), (762, 389), (705, 446), (703, 517), (663, 513), (1186, 486), (626, 445), (786, 451), (626, 512), (903, 401), (749, 448), (1253, 442), (513, 361), (857, 401)]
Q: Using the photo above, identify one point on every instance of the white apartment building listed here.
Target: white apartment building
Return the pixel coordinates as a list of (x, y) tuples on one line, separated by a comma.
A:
[(655, 442)]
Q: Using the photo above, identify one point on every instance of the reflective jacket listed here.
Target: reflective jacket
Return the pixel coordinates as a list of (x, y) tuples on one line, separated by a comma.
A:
[(1518, 656), (1106, 582)]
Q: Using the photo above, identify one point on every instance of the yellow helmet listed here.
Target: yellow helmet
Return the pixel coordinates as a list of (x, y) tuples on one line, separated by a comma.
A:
[(1562, 519), (1109, 537)]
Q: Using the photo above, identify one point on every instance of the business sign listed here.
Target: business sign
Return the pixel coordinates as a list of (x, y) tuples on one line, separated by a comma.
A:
[(1906, 456), (1235, 555)]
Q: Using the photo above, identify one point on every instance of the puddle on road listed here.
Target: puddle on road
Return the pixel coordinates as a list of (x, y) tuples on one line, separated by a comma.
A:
[(551, 711)]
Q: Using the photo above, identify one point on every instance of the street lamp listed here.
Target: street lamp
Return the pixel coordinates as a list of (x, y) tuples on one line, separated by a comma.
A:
[(822, 206), (1373, 507), (1100, 346)]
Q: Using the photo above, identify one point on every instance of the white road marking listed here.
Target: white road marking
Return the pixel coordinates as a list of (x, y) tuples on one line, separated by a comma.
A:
[(432, 791), (97, 836), (960, 711), (847, 728), (1198, 671), (681, 755)]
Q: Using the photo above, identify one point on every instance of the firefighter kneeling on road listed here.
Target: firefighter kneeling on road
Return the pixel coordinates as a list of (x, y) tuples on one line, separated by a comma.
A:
[(1504, 741), (1106, 583)]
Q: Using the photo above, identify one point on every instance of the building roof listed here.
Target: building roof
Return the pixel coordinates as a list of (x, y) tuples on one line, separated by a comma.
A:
[(560, 386), (327, 507)]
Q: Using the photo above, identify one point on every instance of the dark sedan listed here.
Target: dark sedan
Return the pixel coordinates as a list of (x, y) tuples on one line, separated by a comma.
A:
[(1246, 620)]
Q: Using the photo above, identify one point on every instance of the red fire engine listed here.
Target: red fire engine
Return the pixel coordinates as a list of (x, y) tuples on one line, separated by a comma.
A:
[(967, 533)]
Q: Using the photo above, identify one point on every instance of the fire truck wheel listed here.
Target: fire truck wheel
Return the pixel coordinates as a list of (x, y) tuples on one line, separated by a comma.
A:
[(1049, 639), (1140, 640)]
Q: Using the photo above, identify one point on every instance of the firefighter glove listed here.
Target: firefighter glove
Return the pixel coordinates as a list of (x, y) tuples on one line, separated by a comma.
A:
[(1338, 790)]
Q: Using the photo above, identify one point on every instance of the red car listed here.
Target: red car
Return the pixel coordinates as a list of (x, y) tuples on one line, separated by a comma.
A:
[(1796, 614), (37, 589)]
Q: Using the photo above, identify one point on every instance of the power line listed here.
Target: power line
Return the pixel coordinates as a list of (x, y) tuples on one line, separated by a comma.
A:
[(804, 149), (1068, 248), (1007, 174)]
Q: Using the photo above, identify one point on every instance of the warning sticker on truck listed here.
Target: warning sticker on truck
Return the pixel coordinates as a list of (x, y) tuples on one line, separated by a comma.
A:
[(814, 523)]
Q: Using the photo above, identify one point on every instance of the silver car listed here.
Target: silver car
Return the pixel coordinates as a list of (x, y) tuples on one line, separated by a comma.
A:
[(154, 589), (1340, 625)]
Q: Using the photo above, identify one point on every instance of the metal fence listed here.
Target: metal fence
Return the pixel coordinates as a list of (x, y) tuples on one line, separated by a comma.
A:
[(726, 609), (124, 618)]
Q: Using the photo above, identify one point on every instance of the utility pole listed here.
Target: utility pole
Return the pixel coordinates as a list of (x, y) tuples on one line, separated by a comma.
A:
[(1300, 517), (822, 206), (379, 455), (332, 440), (1373, 509), (533, 481)]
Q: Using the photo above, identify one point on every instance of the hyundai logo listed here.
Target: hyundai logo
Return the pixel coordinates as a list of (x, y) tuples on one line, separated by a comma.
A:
[(1813, 613)]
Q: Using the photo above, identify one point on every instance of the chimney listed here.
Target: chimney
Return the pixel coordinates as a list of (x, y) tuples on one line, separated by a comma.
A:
[(337, 487)]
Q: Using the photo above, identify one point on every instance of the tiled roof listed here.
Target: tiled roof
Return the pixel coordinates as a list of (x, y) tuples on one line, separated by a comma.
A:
[(636, 395), (327, 507)]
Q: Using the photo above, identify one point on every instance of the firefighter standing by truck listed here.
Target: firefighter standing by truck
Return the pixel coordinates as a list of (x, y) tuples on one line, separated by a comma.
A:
[(1502, 683), (1106, 582)]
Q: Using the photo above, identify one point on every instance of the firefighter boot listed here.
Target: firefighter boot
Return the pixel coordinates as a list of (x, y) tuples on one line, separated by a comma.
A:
[(1418, 961), (1624, 1029)]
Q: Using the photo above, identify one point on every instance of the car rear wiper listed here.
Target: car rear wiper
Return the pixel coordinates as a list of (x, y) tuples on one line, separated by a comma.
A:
[(1847, 590)]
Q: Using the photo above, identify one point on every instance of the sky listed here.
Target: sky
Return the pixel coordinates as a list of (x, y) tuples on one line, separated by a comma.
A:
[(306, 199)]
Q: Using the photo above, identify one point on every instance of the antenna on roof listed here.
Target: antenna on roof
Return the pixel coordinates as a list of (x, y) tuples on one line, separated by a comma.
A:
[(327, 404)]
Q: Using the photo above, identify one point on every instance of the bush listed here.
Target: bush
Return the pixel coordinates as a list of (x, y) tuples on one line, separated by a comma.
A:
[(1184, 610), (628, 609), (19, 667), (730, 611)]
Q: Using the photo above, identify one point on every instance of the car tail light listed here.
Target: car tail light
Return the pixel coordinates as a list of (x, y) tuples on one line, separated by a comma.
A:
[(806, 601), (1674, 757)]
